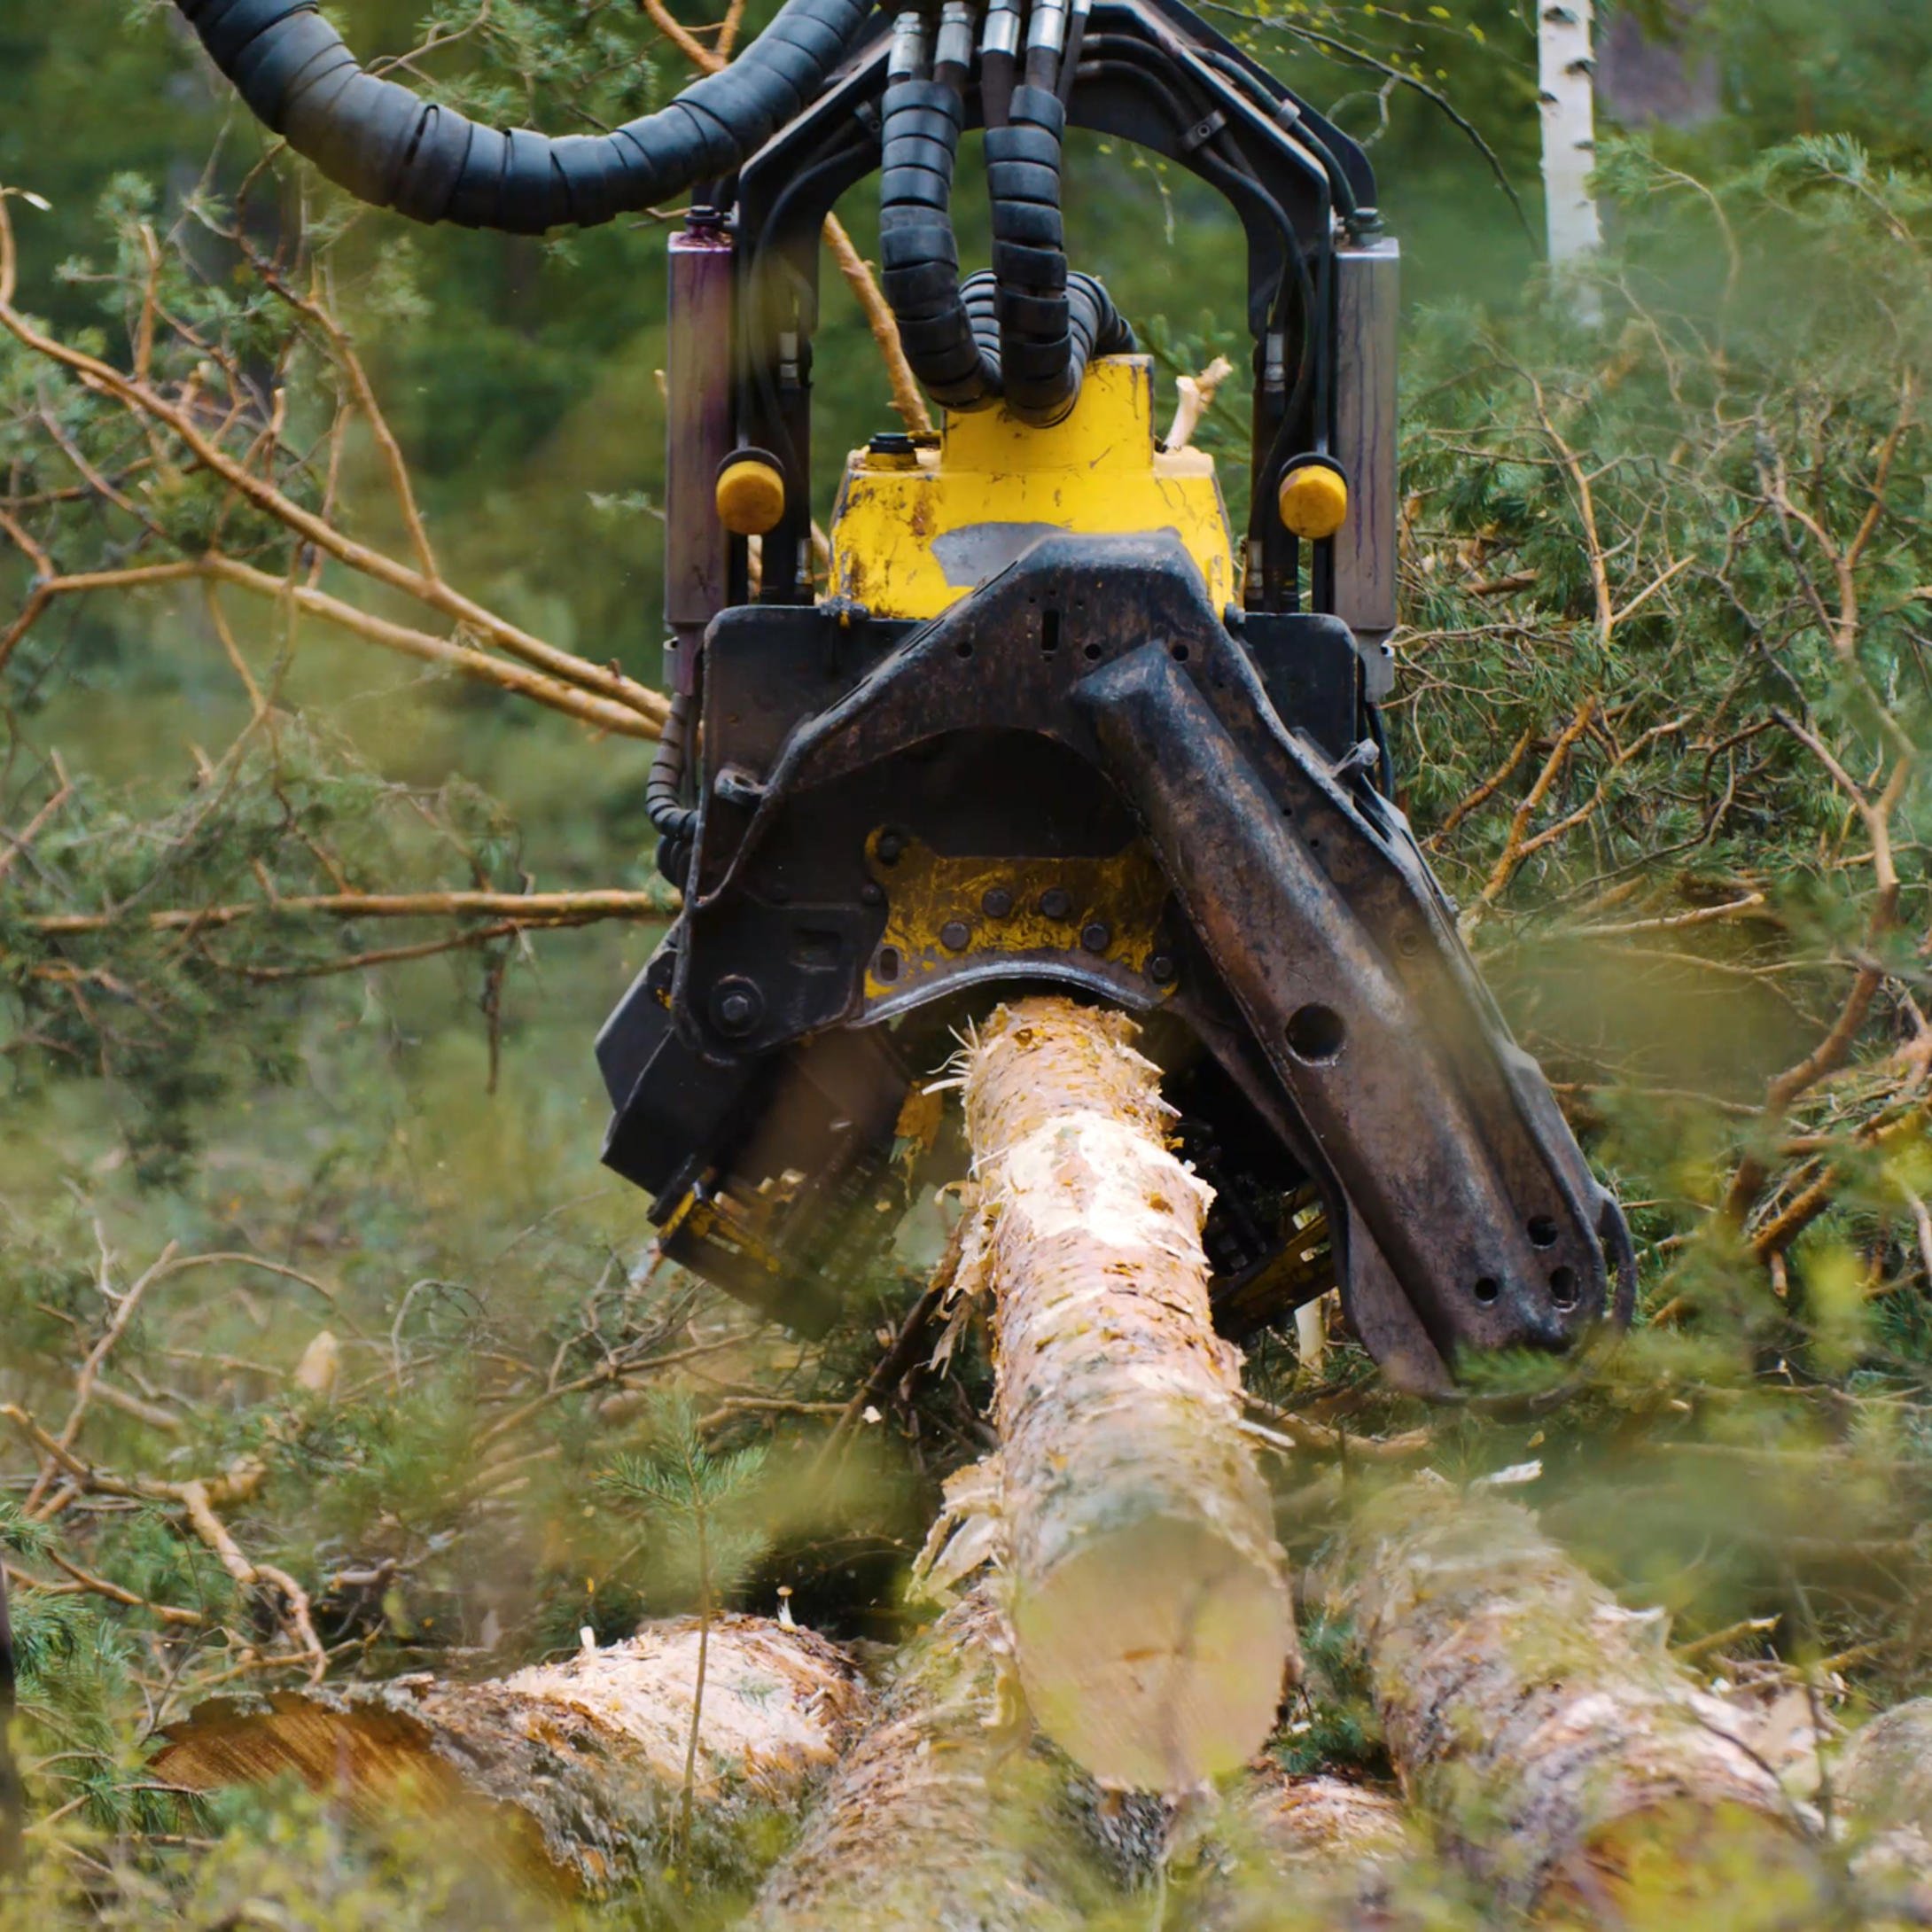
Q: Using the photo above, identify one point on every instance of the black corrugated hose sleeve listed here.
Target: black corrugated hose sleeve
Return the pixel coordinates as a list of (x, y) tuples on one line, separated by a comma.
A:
[(1096, 326), (1050, 322), (674, 821), (386, 147), (918, 256)]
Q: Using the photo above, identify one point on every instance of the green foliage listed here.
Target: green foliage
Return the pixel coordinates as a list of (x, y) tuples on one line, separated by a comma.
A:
[(527, 1429), (1332, 1724), (701, 1504)]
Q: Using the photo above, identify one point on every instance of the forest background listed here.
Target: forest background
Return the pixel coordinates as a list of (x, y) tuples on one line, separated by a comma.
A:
[(1661, 694)]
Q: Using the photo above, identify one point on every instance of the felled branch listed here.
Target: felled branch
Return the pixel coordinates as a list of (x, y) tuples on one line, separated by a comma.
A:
[(148, 405), (524, 908)]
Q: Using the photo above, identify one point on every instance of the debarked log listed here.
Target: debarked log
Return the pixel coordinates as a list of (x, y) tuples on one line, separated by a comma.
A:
[(1150, 1611), (578, 1766)]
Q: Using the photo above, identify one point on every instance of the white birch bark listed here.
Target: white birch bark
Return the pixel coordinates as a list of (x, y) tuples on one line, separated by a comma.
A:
[(1566, 88)]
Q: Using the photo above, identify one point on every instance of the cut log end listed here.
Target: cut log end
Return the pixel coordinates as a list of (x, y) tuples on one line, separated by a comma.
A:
[(362, 1755), (1154, 1657)]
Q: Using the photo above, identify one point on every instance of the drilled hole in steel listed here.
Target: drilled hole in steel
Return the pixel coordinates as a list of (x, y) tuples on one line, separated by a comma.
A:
[(1487, 1288), (1316, 1033), (1542, 1230), (888, 962), (1178, 652), (1564, 1287), (962, 648), (1090, 652)]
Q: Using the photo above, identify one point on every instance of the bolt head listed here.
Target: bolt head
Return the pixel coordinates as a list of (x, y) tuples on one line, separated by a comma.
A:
[(736, 1006), (890, 845), (1162, 970), (997, 903), (1096, 938), (871, 894), (955, 935), (1056, 903)]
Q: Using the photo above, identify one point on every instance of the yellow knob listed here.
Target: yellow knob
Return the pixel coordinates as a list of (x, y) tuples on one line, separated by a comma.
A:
[(751, 496), (1313, 501)]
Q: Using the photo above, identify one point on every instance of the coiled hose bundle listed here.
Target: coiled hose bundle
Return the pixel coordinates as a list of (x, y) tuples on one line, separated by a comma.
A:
[(1024, 333), (952, 345), (388, 147)]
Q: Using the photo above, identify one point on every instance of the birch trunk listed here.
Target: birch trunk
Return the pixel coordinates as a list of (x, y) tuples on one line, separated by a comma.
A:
[(1582, 1770), (1150, 1617), (571, 1771), (939, 1816), (1566, 90)]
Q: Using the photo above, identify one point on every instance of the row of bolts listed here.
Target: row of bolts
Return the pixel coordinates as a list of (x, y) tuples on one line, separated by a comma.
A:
[(997, 903)]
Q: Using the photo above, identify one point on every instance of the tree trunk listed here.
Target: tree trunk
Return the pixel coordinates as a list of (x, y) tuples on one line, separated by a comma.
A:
[(1323, 1842), (940, 1816), (1579, 1767), (1566, 89), (1149, 1613), (584, 1760), (1884, 1784)]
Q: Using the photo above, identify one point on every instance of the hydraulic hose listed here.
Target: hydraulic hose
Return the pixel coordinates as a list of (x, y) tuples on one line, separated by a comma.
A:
[(953, 353), (388, 147), (1030, 256), (1050, 322), (675, 822)]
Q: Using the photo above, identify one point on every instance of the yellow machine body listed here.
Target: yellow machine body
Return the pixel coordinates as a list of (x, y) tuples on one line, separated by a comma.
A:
[(917, 528)]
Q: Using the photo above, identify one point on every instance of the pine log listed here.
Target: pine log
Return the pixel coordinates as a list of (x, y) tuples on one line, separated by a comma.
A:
[(571, 1771), (1580, 1770), (1325, 1846), (940, 1816), (1150, 1611), (1883, 1785)]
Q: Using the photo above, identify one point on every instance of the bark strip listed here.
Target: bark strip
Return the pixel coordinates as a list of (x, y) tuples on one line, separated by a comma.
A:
[(571, 1771), (940, 1816), (1150, 1611), (1579, 1768)]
